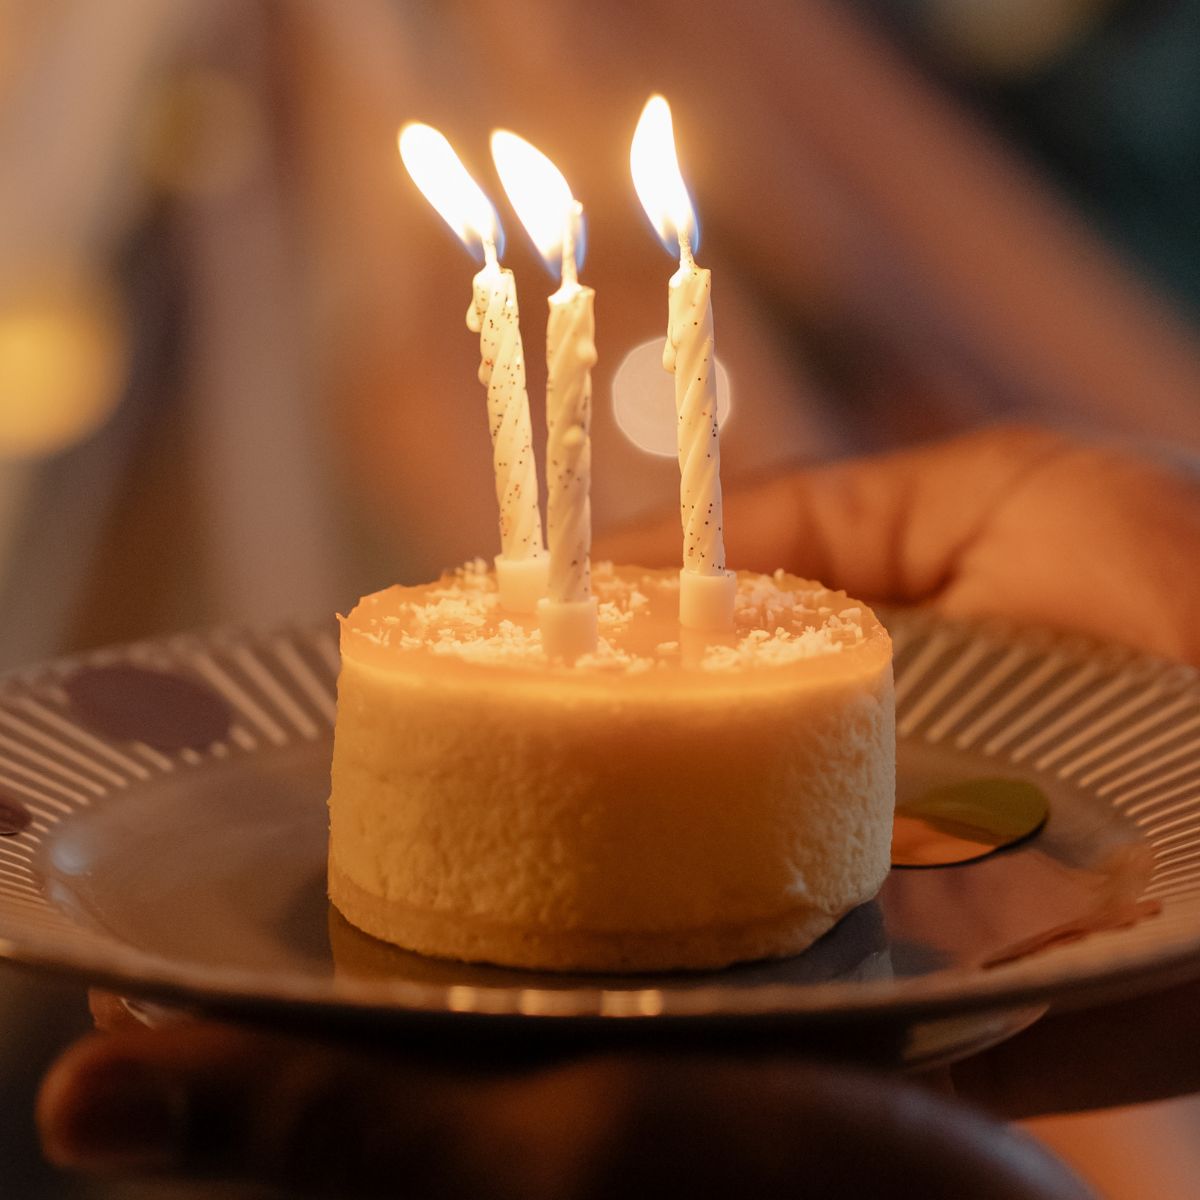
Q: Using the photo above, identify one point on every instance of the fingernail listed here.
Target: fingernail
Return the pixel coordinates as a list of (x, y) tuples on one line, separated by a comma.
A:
[(119, 1116)]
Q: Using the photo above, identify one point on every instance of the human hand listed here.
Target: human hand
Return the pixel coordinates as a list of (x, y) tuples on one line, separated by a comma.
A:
[(1031, 526), (1023, 524), (322, 1117)]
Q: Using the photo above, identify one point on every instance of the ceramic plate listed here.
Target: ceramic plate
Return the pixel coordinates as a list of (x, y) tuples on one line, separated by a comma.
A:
[(162, 807)]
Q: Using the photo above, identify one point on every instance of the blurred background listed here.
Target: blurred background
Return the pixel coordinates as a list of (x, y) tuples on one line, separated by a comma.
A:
[(235, 382)]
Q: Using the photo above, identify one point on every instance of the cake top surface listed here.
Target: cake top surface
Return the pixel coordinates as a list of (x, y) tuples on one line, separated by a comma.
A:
[(781, 624)]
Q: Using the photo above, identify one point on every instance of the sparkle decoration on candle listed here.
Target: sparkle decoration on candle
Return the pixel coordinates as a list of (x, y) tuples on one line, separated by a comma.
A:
[(707, 591), (438, 172), (553, 217)]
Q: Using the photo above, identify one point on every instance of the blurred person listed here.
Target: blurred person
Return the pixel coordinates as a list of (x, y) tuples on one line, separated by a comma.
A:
[(302, 422)]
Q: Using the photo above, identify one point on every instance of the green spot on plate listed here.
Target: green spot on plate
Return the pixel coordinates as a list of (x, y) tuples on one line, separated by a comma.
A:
[(964, 822)]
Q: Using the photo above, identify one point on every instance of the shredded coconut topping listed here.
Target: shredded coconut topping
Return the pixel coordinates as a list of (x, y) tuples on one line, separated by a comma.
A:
[(778, 621)]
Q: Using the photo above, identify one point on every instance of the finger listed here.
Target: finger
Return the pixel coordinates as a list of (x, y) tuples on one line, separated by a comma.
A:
[(1097, 540), (888, 528), (313, 1118), (1134, 1052), (218, 1100)]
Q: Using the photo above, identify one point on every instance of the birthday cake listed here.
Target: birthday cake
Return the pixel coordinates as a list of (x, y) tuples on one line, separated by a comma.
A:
[(673, 799)]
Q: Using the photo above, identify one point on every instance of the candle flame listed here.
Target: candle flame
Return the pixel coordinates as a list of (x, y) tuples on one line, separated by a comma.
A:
[(447, 184), (540, 195), (657, 178)]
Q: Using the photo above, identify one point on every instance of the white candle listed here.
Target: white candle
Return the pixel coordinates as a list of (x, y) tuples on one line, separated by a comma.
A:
[(494, 315), (570, 356), (688, 354), (521, 565), (543, 201), (707, 591)]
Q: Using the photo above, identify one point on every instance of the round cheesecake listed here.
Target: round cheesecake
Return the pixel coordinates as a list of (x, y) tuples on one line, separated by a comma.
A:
[(673, 800)]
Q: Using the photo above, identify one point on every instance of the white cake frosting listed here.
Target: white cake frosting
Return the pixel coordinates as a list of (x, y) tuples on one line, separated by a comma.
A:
[(673, 800)]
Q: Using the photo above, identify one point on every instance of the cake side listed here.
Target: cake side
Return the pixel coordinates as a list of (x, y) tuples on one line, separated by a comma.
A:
[(442, 935), (728, 803)]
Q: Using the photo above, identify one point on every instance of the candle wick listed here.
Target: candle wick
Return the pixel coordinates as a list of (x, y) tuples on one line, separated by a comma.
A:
[(570, 277), (686, 261), (570, 272), (490, 256)]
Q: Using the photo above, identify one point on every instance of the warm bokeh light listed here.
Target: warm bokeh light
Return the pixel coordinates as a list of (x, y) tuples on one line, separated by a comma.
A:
[(539, 194), (64, 357), (643, 399), (447, 184), (657, 177)]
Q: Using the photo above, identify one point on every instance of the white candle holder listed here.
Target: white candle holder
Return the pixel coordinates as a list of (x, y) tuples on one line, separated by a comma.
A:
[(707, 601), (522, 582), (569, 628)]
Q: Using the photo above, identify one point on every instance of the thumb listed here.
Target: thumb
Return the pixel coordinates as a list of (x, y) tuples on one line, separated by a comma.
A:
[(888, 527), (217, 1101)]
